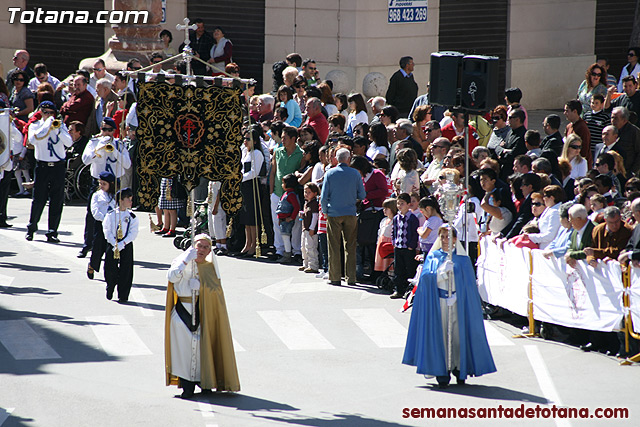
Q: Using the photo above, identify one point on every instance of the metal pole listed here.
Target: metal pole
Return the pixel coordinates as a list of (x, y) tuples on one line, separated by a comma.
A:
[(465, 225)]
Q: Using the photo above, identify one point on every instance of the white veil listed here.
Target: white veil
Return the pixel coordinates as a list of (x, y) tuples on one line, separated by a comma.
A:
[(438, 243)]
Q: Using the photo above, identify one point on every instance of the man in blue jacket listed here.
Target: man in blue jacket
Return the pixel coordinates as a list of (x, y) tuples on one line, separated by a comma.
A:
[(341, 189)]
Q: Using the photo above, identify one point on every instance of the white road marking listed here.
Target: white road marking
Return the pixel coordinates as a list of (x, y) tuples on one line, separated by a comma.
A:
[(278, 290), (237, 347), (5, 414), (5, 281), (380, 326), (23, 342), (206, 409), (494, 337), (117, 337), (294, 330), (544, 380), (137, 296)]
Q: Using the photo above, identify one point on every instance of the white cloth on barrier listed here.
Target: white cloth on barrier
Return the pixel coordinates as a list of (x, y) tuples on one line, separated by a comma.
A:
[(635, 299), (501, 283), (583, 297)]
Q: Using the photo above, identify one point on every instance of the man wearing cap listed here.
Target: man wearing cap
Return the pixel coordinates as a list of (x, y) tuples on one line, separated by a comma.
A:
[(198, 348), (103, 153), (50, 139)]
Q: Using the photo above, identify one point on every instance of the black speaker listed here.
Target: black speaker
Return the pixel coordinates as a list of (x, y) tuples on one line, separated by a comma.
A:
[(479, 83), (444, 78)]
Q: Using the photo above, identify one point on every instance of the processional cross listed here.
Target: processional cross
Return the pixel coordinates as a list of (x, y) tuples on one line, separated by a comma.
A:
[(187, 52)]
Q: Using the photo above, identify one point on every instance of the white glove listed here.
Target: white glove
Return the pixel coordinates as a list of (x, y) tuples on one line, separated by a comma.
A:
[(447, 266), (121, 246), (190, 254), (452, 300), (194, 284)]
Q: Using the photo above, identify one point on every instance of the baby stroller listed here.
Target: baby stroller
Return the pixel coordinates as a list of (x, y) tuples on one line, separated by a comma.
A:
[(202, 226), (385, 279)]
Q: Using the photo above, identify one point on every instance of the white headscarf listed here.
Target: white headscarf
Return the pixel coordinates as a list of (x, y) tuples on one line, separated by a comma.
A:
[(438, 243)]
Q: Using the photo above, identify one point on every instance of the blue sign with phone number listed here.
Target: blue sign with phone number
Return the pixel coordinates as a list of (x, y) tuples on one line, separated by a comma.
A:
[(399, 15)]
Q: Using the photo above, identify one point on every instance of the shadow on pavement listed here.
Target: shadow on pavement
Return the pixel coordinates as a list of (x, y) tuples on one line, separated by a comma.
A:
[(13, 420), (335, 420), (16, 291), (152, 265), (488, 392), (69, 349), (37, 268)]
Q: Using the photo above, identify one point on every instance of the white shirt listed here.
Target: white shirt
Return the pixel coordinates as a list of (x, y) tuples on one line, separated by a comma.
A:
[(472, 225), (254, 160), (318, 173), (354, 119), (107, 75), (374, 150), (49, 143), (578, 168), (549, 224), (101, 203), (115, 218), (116, 162), (34, 83)]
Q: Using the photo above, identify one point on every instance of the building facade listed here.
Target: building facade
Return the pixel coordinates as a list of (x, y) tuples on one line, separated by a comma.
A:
[(544, 46)]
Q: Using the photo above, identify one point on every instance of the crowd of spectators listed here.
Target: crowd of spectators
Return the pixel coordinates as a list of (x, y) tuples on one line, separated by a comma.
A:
[(333, 176)]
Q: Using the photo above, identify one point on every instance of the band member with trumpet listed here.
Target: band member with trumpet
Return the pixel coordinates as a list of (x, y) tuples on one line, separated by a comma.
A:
[(50, 139), (103, 153)]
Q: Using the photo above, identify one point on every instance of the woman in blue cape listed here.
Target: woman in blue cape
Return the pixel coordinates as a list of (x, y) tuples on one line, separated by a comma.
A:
[(427, 339)]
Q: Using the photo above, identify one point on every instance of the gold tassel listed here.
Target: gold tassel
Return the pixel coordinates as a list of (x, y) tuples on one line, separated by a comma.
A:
[(230, 228), (116, 251), (168, 189), (189, 206), (258, 252), (152, 225), (263, 236)]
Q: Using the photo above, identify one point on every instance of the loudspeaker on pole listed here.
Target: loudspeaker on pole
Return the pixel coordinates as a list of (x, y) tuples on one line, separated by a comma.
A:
[(479, 83), (444, 78)]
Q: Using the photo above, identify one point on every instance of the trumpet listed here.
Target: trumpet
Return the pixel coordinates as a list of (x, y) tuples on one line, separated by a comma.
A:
[(55, 124), (109, 148)]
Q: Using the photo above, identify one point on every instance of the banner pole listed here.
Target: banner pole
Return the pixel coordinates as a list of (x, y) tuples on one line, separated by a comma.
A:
[(628, 322), (532, 322)]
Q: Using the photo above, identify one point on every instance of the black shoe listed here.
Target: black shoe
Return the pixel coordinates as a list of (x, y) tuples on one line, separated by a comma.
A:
[(52, 238), (187, 394), (351, 284), (161, 231), (3, 224), (123, 300), (109, 294), (83, 253), (170, 234), (334, 283), (90, 272), (396, 295), (29, 236)]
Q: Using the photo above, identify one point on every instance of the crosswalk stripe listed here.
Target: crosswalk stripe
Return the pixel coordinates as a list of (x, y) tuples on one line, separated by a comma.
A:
[(495, 337), (23, 342), (206, 409), (117, 337), (380, 326), (294, 330), (5, 414)]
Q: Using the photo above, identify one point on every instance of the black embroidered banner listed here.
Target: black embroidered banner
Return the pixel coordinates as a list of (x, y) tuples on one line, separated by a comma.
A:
[(189, 132)]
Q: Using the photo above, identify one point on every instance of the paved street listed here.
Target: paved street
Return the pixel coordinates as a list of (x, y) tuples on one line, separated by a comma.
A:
[(308, 354)]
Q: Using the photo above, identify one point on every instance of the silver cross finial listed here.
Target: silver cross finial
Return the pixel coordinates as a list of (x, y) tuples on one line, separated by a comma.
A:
[(186, 27)]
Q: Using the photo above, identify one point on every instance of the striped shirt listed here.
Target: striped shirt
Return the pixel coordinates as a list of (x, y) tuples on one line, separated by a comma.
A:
[(322, 221), (596, 121)]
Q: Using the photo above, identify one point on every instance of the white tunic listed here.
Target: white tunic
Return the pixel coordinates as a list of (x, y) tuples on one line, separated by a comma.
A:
[(184, 364)]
